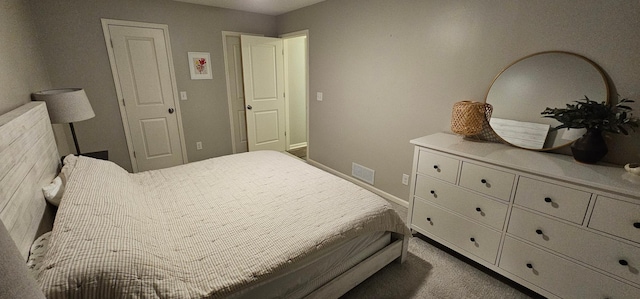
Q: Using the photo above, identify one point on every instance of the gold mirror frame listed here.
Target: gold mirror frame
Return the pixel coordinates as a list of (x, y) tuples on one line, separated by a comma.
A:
[(591, 66)]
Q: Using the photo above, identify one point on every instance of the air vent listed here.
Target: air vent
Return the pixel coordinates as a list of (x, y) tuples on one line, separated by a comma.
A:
[(362, 173)]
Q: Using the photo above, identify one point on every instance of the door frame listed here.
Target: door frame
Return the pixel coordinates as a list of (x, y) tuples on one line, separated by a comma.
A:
[(286, 88), (116, 81), (226, 74)]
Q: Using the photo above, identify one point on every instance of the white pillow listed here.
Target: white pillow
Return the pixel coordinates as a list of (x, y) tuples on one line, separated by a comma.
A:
[(36, 254), (53, 192), (69, 164)]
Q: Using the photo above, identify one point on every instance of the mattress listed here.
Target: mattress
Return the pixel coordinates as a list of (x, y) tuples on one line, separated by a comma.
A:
[(208, 229), (297, 281), (312, 272)]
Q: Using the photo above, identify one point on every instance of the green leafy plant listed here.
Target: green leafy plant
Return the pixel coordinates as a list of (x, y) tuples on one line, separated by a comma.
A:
[(592, 115)]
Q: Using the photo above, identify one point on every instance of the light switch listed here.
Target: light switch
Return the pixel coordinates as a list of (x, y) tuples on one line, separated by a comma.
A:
[(319, 96), (183, 95)]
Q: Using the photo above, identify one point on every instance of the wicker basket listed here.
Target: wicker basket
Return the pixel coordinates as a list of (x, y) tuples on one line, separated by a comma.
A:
[(469, 117)]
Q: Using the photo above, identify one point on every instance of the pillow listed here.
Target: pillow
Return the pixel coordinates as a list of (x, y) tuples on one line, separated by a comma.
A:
[(36, 254), (69, 163), (53, 192)]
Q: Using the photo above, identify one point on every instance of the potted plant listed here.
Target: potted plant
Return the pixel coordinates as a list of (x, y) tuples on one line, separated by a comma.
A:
[(596, 118)]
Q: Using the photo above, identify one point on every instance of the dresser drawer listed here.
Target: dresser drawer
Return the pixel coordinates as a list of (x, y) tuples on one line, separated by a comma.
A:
[(476, 239), (474, 206), (587, 247), (560, 276), (616, 217), (562, 202), (438, 166), (488, 181)]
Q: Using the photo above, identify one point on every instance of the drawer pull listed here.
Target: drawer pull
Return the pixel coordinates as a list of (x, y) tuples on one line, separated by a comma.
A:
[(432, 191), (472, 239), (435, 167), (479, 209), (547, 199), (636, 225), (539, 231), (483, 181), (623, 262), (529, 265), (429, 219)]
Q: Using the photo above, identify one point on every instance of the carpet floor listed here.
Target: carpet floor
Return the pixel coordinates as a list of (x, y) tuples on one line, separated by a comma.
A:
[(431, 272)]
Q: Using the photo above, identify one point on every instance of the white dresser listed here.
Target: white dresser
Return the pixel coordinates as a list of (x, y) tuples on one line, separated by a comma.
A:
[(558, 227)]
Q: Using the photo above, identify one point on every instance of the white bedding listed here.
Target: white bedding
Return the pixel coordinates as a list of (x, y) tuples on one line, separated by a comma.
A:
[(201, 230)]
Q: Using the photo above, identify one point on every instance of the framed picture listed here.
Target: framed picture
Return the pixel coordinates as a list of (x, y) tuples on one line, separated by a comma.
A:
[(200, 65)]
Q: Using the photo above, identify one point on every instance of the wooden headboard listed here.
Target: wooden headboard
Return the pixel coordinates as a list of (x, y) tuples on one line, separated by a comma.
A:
[(29, 160)]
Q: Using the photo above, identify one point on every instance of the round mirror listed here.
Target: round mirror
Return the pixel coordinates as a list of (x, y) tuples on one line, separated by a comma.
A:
[(526, 87)]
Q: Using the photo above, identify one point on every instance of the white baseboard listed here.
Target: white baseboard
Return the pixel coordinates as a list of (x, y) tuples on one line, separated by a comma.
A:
[(364, 185), (297, 145)]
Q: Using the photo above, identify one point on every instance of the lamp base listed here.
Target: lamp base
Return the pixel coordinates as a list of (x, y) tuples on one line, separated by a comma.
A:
[(75, 139)]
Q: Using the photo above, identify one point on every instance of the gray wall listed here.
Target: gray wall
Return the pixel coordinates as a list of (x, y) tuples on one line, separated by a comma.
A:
[(76, 56), (22, 64), (391, 71), (22, 68)]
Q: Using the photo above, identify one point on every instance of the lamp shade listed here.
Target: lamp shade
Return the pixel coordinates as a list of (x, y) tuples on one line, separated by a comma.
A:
[(66, 105)]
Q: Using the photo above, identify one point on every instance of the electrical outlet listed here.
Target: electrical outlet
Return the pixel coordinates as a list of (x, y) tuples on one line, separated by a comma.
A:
[(319, 96), (199, 145), (183, 95), (405, 179)]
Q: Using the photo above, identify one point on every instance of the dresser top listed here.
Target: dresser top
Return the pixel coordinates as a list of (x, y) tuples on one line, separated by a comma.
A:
[(607, 177)]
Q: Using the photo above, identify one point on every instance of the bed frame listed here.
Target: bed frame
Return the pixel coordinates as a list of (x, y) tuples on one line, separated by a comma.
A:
[(29, 160)]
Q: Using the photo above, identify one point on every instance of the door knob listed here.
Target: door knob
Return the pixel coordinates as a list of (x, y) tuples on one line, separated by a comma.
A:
[(249, 107), (171, 110)]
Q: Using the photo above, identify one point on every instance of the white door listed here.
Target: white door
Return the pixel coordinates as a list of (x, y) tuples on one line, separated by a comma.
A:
[(263, 69), (236, 93), (141, 58)]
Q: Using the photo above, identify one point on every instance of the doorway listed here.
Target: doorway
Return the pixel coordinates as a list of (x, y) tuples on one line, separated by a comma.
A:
[(295, 66), (295, 128)]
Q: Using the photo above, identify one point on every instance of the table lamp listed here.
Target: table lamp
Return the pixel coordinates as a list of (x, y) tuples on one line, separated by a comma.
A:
[(67, 105)]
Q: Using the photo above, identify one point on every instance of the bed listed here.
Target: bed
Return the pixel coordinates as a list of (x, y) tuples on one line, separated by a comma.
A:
[(258, 224)]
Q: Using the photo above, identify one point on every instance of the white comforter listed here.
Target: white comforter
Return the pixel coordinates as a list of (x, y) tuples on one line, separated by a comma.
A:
[(201, 230)]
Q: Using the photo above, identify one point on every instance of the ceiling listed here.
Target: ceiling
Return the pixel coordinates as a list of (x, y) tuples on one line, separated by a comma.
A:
[(267, 7)]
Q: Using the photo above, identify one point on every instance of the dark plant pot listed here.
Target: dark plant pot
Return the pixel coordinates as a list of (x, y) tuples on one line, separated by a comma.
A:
[(589, 148)]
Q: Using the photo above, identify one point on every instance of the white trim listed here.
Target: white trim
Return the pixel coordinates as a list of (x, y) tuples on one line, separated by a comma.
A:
[(116, 79), (297, 145), (364, 185), (285, 36), (226, 75), (295, 34), (287, 123)]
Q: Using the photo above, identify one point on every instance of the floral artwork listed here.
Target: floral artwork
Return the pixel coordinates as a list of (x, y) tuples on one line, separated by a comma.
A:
[(200, 65)]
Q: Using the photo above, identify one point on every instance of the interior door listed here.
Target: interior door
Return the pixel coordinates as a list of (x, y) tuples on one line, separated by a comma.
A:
[(263, 70), (144, 73)]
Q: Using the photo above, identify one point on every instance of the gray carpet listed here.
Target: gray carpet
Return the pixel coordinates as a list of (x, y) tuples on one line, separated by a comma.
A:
[(430, 272)]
